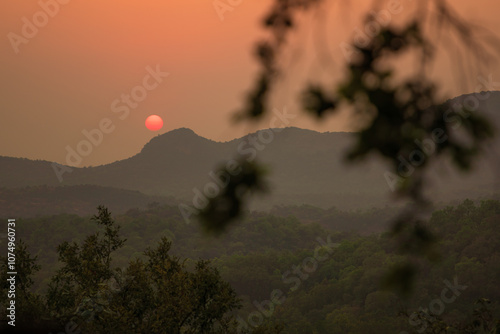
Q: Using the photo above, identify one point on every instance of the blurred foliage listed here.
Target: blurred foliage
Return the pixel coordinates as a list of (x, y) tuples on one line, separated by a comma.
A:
[(228, 205), (398, 114)]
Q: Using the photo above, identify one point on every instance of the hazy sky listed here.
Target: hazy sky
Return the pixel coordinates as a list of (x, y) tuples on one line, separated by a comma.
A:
[(71, 73)]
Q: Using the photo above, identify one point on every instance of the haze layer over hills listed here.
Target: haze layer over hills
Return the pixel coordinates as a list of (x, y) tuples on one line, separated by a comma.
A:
[(305, 167)]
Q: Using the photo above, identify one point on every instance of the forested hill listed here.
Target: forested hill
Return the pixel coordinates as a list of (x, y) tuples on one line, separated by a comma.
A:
[(342, 292), (79, 199)]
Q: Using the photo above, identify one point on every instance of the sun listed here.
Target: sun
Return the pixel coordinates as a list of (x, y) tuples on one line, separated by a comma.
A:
[(154, 123)]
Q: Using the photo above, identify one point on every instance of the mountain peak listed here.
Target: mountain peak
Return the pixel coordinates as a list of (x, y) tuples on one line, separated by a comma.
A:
[(178, 137), (180, 131), (177, 134)]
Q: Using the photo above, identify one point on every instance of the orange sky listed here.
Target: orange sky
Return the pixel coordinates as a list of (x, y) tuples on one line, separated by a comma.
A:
[(65, 78)]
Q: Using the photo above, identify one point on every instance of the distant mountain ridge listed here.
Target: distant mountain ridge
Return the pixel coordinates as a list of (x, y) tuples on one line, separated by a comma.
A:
[(306, 167), (81, 200), (174, 163)]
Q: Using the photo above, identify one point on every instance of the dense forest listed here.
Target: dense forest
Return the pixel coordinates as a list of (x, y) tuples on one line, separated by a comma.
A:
[(294, 270)]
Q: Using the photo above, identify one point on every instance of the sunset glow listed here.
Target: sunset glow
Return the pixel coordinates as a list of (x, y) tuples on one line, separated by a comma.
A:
[(81, 56)]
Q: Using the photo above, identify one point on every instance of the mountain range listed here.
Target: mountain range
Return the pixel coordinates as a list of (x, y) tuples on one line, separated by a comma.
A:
[(305, 167)]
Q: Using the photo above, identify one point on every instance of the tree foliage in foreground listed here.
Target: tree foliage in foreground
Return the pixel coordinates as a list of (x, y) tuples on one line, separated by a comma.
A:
[(158, 295)]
